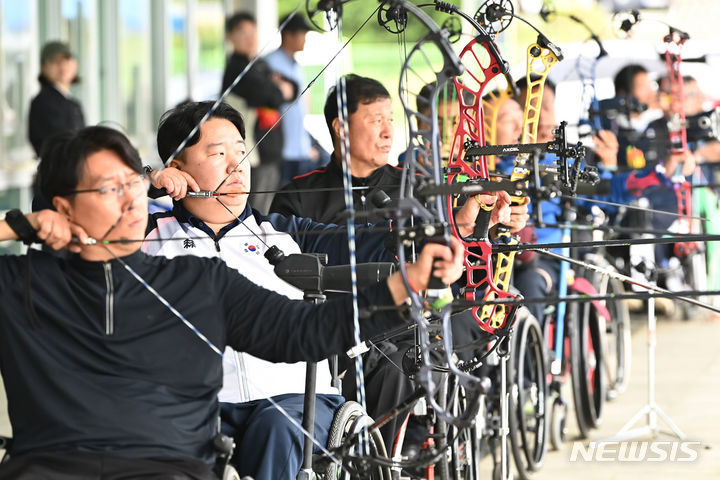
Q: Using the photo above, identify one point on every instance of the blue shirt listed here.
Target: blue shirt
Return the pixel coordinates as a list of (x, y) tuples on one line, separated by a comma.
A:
[(297, 140)]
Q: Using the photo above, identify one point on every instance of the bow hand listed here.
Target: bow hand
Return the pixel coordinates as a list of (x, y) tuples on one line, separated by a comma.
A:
[(435, 260), (496, 205)]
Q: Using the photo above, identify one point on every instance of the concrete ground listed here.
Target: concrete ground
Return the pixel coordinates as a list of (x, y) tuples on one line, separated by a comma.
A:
[(687, 390)]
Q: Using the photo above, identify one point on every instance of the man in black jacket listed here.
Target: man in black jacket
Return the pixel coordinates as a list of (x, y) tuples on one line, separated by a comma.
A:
[(371, 137), (111, 359), (258, 95), (370, 127)]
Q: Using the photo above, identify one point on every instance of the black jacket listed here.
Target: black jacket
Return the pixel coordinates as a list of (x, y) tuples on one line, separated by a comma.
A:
[(51, 113), (258, 90), (329, 206), (256, 86), (103, 366)]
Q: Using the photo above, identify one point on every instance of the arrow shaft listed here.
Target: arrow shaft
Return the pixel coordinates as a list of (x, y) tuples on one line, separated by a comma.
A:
[(627, 279), (606, 243), (460, 305), (620, 205)]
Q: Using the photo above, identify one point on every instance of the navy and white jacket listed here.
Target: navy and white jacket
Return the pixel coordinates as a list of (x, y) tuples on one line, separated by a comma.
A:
[(178, 232)]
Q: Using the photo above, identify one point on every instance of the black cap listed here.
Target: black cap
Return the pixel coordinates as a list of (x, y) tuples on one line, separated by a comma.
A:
[(52, 49), (296, 24)]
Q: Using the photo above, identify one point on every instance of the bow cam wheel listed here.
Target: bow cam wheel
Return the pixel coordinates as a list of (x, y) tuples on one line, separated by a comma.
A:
[(495, 15), (454, 29), (392, 18), (330, 9)]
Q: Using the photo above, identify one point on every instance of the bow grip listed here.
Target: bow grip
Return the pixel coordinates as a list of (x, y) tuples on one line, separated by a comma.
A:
[(435, 283), (482, 221)]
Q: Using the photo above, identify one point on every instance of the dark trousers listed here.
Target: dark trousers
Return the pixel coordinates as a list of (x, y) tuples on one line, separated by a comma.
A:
[(89, 466), (267, 445), (531, 280), (386, 385)]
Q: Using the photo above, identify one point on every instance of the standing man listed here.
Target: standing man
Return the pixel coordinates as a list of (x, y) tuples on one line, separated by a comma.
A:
[(54, 110), (258, 96), (298, 154)]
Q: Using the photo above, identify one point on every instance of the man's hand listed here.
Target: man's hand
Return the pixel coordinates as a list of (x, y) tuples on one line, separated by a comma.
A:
[(435, 260), (606, 148), (685, 159), (56, 231), (518, 216), (286, 88), (501, 212), (709, 152), (174, 181)]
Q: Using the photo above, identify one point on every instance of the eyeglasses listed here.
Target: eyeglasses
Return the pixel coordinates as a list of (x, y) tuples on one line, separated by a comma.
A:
[(136, 186)]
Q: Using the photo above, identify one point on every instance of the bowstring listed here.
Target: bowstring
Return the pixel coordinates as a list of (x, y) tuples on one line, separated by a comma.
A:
[(299, 96), (344, 140), (177, 151)]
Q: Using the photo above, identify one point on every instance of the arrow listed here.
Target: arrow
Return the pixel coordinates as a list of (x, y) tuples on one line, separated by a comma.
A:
[(607, 243), (625, 278)]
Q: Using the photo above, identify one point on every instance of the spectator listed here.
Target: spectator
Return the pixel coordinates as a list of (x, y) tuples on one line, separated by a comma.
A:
[(54, 110), (257, 96), (299, 156)]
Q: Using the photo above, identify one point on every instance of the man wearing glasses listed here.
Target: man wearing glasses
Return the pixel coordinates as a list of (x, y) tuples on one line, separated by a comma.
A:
[(111, 358)]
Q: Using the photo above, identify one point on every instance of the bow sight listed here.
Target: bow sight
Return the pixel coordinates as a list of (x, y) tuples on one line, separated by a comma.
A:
[(570, 174)]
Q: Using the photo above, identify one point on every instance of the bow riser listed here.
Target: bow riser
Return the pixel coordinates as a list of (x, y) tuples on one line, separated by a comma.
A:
[(539, 62), (482, 67), (677, 124)]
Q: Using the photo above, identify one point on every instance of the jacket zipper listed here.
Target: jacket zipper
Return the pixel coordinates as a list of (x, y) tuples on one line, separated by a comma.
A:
[(109, 299)]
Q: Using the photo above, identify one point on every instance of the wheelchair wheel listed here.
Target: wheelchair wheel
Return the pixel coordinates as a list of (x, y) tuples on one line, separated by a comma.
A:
[(618, 341), (465, 450), (586, 366), (558, 428), (573, 331), (618, 351), (527, 383), (349, 419)]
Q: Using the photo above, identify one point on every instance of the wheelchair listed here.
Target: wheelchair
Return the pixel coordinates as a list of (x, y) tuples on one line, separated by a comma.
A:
[(222, 444), (348, 422)]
